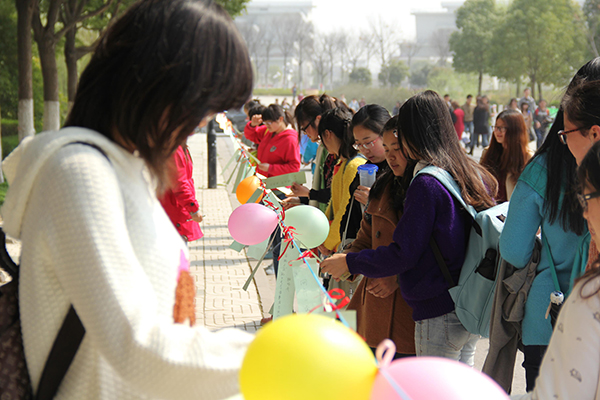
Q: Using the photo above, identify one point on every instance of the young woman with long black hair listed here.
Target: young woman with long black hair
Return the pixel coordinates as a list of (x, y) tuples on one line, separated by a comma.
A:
[(428, 137), (95, 238), (507, 153), (571, 367), (381, 311), (546, 197)]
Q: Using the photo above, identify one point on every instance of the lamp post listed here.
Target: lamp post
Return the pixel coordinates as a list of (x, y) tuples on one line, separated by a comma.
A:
[(211, 141)]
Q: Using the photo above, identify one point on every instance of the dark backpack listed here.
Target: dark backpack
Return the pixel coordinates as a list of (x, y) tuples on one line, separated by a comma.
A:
[(15, 383)]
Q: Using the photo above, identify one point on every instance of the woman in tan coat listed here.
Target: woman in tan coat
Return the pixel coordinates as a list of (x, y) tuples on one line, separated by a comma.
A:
[(382, 313)]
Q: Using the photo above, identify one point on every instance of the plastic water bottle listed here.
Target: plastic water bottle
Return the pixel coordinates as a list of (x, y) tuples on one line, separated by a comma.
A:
[(367, 173)]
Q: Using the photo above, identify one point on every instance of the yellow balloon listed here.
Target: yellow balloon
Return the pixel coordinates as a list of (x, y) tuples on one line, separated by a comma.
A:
[(246, 189), (307, 357)]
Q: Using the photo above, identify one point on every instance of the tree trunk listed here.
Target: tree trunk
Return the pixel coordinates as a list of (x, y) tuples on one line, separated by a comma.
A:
[(540, 97), (518, 81), (1, 173), (285, 71), (25, 110), (532, 79), (71, 61), (480, 83), (300, 62), (267, 68), (47, 50)]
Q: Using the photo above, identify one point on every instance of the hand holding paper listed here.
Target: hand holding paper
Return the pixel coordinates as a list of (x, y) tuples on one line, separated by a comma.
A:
[(299, 190)]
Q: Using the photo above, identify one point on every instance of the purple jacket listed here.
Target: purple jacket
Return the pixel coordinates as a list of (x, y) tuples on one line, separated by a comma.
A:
[(429, 209)]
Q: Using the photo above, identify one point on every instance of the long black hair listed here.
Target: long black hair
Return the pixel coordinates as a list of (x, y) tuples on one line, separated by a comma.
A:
[(562, 167), (429, 135), (338, 121), (157, 72)]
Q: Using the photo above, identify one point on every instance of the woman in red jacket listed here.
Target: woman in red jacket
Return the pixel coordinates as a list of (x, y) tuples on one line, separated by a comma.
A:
[(278, 148), (179, 201)]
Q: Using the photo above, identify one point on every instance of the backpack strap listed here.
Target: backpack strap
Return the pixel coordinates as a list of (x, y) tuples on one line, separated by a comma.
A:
[(450, 184), (441, 262), (61, 356)]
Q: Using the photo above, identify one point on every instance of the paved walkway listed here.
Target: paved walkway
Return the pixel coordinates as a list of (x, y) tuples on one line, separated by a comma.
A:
[(220, 272)]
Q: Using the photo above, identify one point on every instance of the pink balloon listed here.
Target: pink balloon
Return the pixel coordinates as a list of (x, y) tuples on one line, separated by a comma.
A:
[(252, 223), (425, 378)]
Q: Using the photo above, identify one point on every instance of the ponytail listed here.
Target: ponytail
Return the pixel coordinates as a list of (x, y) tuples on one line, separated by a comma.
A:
[(339, 121)]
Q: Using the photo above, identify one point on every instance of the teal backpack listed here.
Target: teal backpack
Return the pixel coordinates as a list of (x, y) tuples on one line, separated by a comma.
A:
[(473, 295)]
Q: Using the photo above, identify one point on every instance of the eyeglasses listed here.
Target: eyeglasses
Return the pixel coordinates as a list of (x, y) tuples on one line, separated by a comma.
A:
[(501, 129), (366, 146), (303, 130), (563, 134), (583, 199)]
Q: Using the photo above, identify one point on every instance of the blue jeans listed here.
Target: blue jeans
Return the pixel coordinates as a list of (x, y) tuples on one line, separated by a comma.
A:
[(469, 127), (445, 336)]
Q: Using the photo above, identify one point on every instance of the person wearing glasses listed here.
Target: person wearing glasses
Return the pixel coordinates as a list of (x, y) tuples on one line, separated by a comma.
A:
[(571, 368), (367, 129), (545, 197), (507, 153), (427, 137), (308, 115)]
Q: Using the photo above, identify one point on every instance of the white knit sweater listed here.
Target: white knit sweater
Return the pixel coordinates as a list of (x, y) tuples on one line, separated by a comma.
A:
[(95, 236)]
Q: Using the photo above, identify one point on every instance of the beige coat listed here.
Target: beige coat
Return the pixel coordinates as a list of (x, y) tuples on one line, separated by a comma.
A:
[(381, 318)]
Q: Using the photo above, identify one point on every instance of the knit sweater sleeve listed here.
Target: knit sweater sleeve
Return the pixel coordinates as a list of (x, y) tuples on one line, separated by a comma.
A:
[(424, 200), (522, 223), (95, 261), (349, 172)]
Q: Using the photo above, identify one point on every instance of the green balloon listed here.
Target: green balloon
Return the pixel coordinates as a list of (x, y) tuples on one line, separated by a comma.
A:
[(311, 225)]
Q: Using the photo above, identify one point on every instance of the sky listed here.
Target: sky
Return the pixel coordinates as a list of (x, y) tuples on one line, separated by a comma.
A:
[(330, 15)]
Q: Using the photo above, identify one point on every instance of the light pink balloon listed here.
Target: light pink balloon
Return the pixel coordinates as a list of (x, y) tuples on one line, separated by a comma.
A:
[(426, 378), (252, 223)]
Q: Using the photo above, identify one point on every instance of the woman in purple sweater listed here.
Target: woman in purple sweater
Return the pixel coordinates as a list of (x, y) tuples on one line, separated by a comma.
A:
[(430, 212)]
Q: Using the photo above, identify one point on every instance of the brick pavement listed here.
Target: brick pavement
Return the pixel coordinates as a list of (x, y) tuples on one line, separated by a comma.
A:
[(219, 271)]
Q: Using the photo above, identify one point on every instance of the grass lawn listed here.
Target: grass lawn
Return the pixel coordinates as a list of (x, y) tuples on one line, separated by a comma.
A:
[(3, 189), (8, 144)]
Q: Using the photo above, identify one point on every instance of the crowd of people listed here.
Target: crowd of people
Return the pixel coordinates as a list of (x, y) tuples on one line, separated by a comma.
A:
[(402, 292), (84, 201)]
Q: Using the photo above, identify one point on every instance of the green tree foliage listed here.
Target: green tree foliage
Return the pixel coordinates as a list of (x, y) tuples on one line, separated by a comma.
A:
[(393, 73), (9, 70), (420, 76), (540, 39), (361, 76), (591, 16), (233, 7), (472, 42)]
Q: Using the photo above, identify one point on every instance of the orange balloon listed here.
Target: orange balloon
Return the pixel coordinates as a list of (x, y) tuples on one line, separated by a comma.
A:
[(246, 189)]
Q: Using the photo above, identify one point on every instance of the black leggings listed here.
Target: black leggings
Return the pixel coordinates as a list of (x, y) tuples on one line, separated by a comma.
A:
[(532, 363)]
